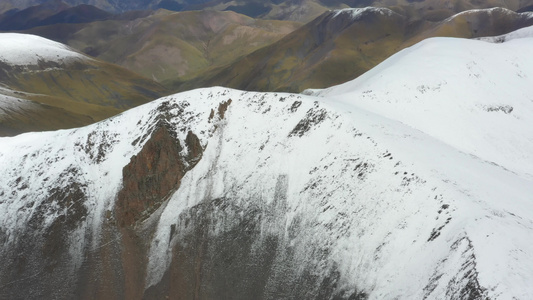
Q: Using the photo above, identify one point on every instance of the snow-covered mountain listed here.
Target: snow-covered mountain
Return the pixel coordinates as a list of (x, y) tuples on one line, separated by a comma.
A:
[(45, 85), (24, 50), (473, 95), (411, 182)]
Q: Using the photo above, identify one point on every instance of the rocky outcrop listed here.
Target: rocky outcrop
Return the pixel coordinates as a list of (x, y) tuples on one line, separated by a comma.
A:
[(150, 177), (153, 173)]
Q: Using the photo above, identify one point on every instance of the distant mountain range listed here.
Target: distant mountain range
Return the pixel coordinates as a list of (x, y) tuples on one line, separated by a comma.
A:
[(59, 13), (170, 47), (295, 10), (341, 45), (187, 50), (193, 49)]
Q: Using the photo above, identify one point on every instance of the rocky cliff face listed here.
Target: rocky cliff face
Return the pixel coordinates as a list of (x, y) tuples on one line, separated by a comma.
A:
[(72, 240), (152, 174)]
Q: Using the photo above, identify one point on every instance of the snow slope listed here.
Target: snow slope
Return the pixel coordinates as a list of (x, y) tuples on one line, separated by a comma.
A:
[(473, 95), (526, 32), (10, 105), (25, 49), (12, 102), (413, 181)]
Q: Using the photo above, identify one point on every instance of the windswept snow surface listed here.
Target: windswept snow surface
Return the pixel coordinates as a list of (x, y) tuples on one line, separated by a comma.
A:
[(26, 49), (414, 180), (472, 95)]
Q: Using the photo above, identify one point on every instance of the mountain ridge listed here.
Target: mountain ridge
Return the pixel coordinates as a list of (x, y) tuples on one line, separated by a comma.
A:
[(336, 47), (331, 49), (167, 46)]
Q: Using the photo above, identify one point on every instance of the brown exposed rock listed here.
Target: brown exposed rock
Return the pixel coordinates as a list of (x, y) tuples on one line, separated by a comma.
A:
[(153, 173), (222, 108), (194, 146), (134, 259)]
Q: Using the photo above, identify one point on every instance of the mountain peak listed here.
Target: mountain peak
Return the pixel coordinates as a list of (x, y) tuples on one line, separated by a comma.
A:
[(410, 182)]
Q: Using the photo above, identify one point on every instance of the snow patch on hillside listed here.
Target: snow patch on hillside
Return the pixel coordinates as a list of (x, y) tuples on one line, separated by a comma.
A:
[(10, 105), (356, 13), (26, 49), (490, 12)]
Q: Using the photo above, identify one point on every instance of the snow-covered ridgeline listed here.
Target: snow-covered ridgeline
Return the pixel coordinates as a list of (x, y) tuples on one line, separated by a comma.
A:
[(384, 199), (389, 201), (25, 49), (356, 13), (489, 11), (526, 32), (472, 95)]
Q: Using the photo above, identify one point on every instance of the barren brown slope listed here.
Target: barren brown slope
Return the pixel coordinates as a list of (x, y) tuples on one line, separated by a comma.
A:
[(21, 115), (171, 47), (339, 46)]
